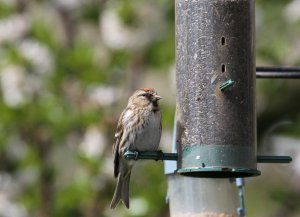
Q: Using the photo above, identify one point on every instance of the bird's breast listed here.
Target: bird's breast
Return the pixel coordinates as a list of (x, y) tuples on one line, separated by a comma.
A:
[(148, 136)]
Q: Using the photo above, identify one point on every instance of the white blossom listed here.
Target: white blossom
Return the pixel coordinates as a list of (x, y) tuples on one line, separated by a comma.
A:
[(292, 11), (103, 96), (13, 28), (12, 80), (117, 35), (93, 143), (38, 54)]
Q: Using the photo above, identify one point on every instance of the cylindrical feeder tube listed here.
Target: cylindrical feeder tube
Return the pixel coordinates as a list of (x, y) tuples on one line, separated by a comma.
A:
[(215, 78), (205, 197)]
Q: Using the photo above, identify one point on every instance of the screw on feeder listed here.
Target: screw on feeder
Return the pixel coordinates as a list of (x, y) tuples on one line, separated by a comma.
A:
[(226, 85)]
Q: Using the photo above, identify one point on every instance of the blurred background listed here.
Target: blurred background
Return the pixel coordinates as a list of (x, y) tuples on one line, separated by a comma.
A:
[(67, 68)]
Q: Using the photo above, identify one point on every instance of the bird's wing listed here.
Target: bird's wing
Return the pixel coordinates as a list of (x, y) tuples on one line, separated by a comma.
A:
[(123, 135), (160, 124), (117, 140)]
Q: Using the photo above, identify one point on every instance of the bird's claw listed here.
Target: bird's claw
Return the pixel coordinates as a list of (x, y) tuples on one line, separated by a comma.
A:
[(160, 155), (136, 157)]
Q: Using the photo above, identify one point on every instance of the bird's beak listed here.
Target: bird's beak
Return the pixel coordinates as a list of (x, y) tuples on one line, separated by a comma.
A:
[(157, 97)]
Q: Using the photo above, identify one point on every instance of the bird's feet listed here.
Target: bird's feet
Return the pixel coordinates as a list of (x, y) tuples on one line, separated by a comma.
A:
[(136, 157), (160, 155)]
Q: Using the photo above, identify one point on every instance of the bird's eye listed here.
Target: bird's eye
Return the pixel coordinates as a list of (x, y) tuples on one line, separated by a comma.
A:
[(145, 94)]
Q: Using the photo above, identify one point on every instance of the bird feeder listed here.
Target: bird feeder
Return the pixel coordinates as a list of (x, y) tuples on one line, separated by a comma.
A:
[(215, 74)]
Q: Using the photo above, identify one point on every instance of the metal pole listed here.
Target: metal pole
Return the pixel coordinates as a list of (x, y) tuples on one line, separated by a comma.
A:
[(240, 183), (158, 155), (277, 72)]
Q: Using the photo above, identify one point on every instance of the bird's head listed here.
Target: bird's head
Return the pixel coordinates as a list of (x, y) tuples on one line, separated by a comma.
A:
[(144, 97)]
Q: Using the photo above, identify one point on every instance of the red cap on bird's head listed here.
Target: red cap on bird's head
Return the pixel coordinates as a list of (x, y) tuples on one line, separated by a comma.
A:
[(148, 89)]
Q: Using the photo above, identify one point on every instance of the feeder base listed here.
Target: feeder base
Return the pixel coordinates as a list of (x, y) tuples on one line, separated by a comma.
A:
[(221, 161), (219, 172)]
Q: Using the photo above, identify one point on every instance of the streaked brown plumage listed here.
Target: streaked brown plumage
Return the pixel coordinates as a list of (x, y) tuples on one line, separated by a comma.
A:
[(139, 129)]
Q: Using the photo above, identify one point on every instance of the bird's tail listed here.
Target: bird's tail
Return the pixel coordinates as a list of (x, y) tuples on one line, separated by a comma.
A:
[(122, 189)]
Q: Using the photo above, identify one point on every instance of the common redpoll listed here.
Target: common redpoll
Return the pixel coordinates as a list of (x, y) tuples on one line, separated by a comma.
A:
[(139, 129)]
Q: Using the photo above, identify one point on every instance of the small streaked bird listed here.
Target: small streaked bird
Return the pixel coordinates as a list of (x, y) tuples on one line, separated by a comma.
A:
[(139, 129)]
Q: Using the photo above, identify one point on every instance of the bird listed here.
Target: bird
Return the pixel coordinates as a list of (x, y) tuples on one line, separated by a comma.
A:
[(139, 129)]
